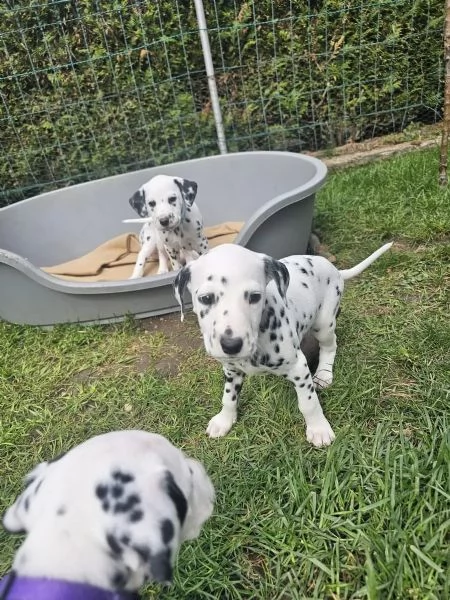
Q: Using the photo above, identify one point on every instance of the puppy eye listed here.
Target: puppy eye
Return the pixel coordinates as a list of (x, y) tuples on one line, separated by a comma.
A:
[(254, 298), (172, 199), (207, 299), (152, 203)]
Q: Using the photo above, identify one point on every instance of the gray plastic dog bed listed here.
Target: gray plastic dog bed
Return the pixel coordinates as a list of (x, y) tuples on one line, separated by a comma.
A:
[(272, 192)]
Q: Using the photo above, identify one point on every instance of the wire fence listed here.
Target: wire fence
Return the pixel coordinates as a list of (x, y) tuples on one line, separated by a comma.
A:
[(91, 88)]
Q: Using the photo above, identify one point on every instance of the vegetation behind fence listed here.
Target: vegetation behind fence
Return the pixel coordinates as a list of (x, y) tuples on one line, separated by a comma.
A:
[(93, 88)]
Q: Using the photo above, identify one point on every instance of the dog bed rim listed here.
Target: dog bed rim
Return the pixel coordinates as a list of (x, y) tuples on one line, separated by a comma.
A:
[(268, 209)]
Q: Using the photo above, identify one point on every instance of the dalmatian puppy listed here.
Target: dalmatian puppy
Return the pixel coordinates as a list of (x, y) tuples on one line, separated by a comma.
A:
[(254, 313), (173, 224), (105, 518)]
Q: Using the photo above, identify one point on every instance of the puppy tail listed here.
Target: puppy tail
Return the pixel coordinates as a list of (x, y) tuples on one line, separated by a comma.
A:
[(359, 268)]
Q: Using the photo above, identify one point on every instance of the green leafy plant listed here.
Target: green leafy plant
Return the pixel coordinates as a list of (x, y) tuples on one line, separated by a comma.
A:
[(93, 88)]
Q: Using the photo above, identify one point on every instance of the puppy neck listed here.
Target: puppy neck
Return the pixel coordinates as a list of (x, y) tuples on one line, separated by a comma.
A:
[(13, 587), (59, 555)]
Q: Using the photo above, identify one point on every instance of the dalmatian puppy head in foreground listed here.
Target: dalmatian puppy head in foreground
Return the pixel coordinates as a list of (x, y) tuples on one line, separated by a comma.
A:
[(228, 288), (254, 312), (172, 223), (107, 516)]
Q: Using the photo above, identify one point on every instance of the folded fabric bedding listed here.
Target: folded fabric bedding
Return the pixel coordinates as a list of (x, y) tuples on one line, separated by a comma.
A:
[(114, 260)]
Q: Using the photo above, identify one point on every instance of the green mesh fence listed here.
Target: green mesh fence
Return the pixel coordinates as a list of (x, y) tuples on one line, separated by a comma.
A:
[(94, 88)]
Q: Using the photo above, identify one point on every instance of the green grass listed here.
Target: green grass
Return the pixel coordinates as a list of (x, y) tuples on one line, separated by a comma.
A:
[(367, 518)]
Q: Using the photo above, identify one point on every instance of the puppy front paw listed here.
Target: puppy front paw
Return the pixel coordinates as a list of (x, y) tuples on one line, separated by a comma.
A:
[(320, 434), (220, 425), (162, 270)]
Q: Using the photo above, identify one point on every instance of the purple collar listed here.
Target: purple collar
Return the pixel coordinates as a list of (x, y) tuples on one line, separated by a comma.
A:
[(14, 587)]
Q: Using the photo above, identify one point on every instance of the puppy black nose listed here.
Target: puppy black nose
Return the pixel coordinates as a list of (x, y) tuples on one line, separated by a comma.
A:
[(164, 222), (231, 345)]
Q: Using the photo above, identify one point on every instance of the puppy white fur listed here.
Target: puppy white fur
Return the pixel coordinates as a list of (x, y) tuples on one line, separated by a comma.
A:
[(112, 512), (173, 223), (254, 311)]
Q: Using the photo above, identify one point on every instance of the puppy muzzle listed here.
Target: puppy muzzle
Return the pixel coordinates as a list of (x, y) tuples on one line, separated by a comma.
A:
[(231, 345), (167, 223)]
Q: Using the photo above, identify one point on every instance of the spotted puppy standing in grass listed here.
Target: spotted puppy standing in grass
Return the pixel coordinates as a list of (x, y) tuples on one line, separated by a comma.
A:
[(105, 518), (173, 224), (254, 312)]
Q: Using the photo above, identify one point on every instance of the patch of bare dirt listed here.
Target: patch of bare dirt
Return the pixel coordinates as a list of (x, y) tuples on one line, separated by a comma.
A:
[(317, 247), (180, 339), (417, 248), (356, 153), (378, 310), (83, 376), (257, 562), (401, 389)]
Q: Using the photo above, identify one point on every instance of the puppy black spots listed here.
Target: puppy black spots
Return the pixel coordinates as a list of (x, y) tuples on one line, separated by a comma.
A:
[(117, 496)]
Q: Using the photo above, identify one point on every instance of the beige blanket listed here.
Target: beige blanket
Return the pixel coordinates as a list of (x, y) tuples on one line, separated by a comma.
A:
[(114, 260)]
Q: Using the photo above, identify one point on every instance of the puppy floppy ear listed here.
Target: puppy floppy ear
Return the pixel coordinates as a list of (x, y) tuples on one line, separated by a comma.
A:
[(149, 549), (200, 502), (188, 189), (179, 285), (19, 517), (277, 271), (137, 202), (161, 563)]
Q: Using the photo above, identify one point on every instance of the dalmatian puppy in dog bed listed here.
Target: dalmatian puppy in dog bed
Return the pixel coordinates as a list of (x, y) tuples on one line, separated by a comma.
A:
[(173, 224), (254, 312), (105, 518)]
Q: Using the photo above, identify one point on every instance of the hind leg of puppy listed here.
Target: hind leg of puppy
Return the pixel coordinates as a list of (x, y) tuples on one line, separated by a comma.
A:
[(318, 429), (221, 424), (324, 332), (326, 337)]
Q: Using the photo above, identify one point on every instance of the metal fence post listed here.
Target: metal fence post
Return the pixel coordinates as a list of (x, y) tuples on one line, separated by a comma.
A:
[(203, 31), (443, 163)]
